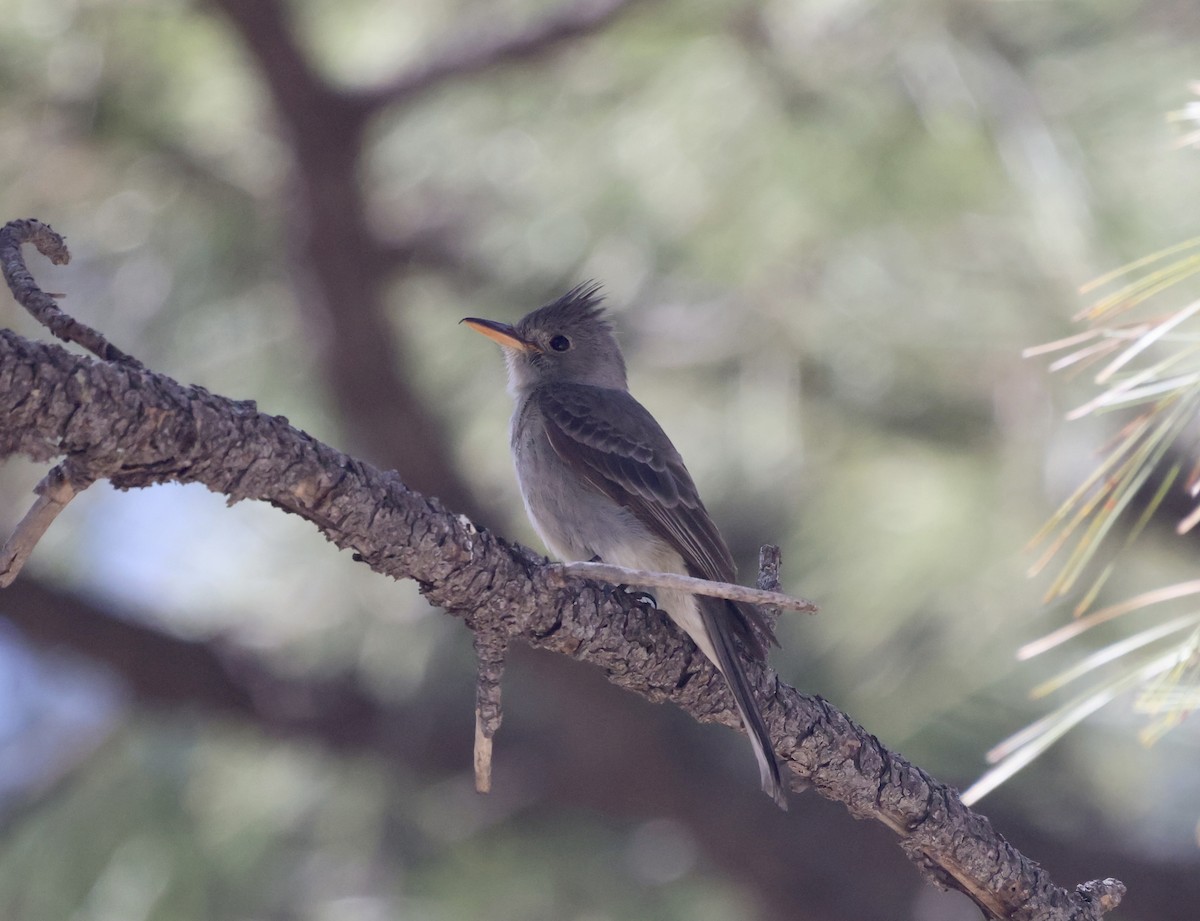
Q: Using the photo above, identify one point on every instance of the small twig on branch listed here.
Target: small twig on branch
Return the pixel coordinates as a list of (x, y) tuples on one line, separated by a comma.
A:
[(619, 575), (55, 490), (490, 648), (770, 561), (1105, 894), (40, 304)]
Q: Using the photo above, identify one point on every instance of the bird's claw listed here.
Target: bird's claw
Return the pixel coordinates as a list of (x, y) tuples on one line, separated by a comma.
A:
[(639, 596), (642, 597)]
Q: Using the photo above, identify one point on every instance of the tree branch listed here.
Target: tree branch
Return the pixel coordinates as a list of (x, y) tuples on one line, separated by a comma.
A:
[(493, 47), (42, 305), (138, 428)]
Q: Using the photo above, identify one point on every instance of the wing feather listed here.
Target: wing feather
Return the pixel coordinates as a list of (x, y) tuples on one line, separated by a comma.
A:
[(618, 447)]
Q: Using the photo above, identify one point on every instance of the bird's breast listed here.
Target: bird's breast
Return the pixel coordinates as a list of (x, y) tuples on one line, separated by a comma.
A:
[(574, 519)]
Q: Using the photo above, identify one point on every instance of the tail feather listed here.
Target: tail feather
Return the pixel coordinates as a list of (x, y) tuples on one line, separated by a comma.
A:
[(718, 624)]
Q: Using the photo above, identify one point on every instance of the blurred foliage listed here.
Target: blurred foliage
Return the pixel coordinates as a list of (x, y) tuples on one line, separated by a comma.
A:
[(1145, 370), (181, 821), (827, 229)]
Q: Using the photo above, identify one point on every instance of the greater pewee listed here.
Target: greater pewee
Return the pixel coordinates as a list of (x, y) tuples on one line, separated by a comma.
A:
[(601, 480)]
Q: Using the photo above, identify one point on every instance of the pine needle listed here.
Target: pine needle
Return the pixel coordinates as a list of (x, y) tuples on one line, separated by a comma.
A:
[(1112, 612), (1144, 261), (1017, 751), (1113, 652)]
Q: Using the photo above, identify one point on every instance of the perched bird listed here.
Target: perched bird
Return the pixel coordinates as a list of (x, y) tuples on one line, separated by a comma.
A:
[(601, 480)]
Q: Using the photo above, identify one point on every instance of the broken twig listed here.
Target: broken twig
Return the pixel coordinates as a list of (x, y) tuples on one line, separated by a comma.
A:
[(619, 575), (54, 492)]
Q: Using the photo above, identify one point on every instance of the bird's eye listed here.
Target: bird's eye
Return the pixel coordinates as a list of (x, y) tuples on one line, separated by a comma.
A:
[(560, 343)]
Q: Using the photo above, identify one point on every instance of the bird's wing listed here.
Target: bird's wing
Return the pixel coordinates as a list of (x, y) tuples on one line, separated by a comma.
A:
[(614, 443)]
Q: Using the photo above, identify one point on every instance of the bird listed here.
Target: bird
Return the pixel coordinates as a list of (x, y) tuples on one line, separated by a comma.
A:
[(602, 481)]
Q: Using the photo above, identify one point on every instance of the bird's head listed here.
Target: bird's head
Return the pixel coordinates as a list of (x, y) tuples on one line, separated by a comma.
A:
[(567, 341)]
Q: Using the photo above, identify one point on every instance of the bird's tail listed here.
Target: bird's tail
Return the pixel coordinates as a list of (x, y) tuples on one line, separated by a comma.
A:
[(717, 624)]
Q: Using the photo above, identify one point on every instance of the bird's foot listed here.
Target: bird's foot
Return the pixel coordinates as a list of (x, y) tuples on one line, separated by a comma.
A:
[(640, 596)]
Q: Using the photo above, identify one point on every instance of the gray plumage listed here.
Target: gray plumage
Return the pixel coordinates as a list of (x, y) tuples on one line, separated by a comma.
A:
[(602, 480)]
